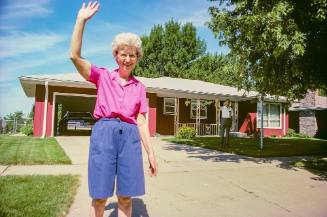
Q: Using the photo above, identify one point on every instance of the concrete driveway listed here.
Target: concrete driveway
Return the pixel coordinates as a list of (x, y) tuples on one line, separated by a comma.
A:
[(196, 182)]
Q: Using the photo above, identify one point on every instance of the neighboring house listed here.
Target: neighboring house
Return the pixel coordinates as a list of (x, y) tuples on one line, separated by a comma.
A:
[(173, 102), (309, 115)]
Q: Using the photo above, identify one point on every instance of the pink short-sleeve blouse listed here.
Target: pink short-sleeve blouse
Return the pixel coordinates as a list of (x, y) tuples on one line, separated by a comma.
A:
[(115, 99)]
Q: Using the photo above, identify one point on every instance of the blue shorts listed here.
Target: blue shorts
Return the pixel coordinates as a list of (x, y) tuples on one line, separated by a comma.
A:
[(115, 150)]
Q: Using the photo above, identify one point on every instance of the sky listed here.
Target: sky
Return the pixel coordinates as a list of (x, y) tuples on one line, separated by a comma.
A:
[(35, 36)]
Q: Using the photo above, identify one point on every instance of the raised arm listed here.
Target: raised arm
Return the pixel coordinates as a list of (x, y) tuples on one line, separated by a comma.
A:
[(85, 13)]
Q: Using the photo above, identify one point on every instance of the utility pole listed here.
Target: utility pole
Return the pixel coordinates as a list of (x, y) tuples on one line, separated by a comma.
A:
[(261, 121)]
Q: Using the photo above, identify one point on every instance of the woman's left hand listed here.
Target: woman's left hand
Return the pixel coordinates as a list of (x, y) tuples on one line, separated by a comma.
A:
[(153, 167)]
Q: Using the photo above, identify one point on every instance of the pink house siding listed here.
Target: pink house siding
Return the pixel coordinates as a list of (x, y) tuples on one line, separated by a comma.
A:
[(38, 110), (152, 121), (152, 115), (273, 132), (248, 121), (38, 118), (287, 122), (278, 132), (49, 115), (248, 124)]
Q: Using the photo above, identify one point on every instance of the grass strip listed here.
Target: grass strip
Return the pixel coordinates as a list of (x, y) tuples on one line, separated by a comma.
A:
[(37, 196), (25, 150)]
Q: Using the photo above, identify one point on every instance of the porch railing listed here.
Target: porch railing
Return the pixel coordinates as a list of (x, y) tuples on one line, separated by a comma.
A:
[(203, 130)]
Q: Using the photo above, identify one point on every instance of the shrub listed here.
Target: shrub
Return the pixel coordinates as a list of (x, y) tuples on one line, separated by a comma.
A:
[(186, 133), (292, 133), (27, 130)]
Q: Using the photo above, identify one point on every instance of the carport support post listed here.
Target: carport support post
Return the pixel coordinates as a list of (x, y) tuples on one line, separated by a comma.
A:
[(176, 117), (45, 109), (198, 113), (217, 105), (235, 116), (261, 122)]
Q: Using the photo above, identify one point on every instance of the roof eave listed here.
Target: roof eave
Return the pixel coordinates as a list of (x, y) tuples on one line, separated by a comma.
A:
[(29, 84)]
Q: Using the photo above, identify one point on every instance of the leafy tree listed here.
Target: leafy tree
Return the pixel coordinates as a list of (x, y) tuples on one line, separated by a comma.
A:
[(323, 92), (18, 115), (169, 49), (174, 50), (220, 69), (31, 114), (281, 44), (13, 117)]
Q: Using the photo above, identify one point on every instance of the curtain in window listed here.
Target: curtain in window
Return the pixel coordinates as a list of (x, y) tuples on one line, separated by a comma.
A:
[(271, 115)]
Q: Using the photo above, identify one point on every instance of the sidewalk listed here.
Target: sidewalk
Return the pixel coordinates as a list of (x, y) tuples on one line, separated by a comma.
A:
[(196, 182)]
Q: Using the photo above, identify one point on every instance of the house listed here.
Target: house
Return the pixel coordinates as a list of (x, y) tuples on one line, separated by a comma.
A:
[(308, 116), (173, 102)]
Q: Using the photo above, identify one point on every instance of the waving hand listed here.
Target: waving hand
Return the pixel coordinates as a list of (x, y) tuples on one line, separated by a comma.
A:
[(87, 12)]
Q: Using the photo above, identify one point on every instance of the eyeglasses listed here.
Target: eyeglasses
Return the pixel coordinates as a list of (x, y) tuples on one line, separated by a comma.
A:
[(124, 56)]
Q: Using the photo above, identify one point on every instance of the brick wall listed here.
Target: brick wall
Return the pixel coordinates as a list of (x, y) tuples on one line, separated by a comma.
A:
[(308, 123), (307, 119)]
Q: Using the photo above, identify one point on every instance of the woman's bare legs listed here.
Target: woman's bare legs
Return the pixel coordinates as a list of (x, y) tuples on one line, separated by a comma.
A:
[(124, 206), (97, 207)]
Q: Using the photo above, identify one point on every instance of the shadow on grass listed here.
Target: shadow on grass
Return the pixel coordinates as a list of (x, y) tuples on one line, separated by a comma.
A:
[(221, 156), (321, 176), (139, 208), (316, 166)]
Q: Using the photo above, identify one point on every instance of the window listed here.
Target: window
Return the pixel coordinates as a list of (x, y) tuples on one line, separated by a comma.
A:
[(169, 106), (203, 109), (271, 115)]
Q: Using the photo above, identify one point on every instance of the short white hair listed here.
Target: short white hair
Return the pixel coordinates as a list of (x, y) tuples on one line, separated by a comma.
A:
[(129, 39)]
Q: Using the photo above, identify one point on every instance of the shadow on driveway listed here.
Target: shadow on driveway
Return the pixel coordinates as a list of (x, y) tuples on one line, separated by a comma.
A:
[(139, 208), (217, 156)]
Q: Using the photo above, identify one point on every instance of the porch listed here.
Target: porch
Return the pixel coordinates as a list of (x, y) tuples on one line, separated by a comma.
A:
[(201, 114), (202, 129)]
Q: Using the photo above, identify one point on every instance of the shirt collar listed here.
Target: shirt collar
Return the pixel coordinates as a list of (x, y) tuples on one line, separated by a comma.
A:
[(132, 79)]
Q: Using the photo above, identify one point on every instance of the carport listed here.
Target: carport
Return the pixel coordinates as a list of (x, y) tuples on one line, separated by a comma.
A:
[(69, 102), (54, 96)]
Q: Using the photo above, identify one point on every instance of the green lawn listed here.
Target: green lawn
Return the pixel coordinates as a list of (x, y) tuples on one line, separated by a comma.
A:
[(30, 150), (273, 147), (37, 196)]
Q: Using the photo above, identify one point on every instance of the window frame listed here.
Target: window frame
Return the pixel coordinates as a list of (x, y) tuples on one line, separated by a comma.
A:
[(166, 99), (268, 104), (194, 101)]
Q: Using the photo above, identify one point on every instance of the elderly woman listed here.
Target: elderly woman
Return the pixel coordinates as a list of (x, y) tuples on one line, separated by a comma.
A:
[(115, 143)]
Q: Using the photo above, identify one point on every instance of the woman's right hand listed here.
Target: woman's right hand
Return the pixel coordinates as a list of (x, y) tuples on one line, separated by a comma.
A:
[(87, 12)]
